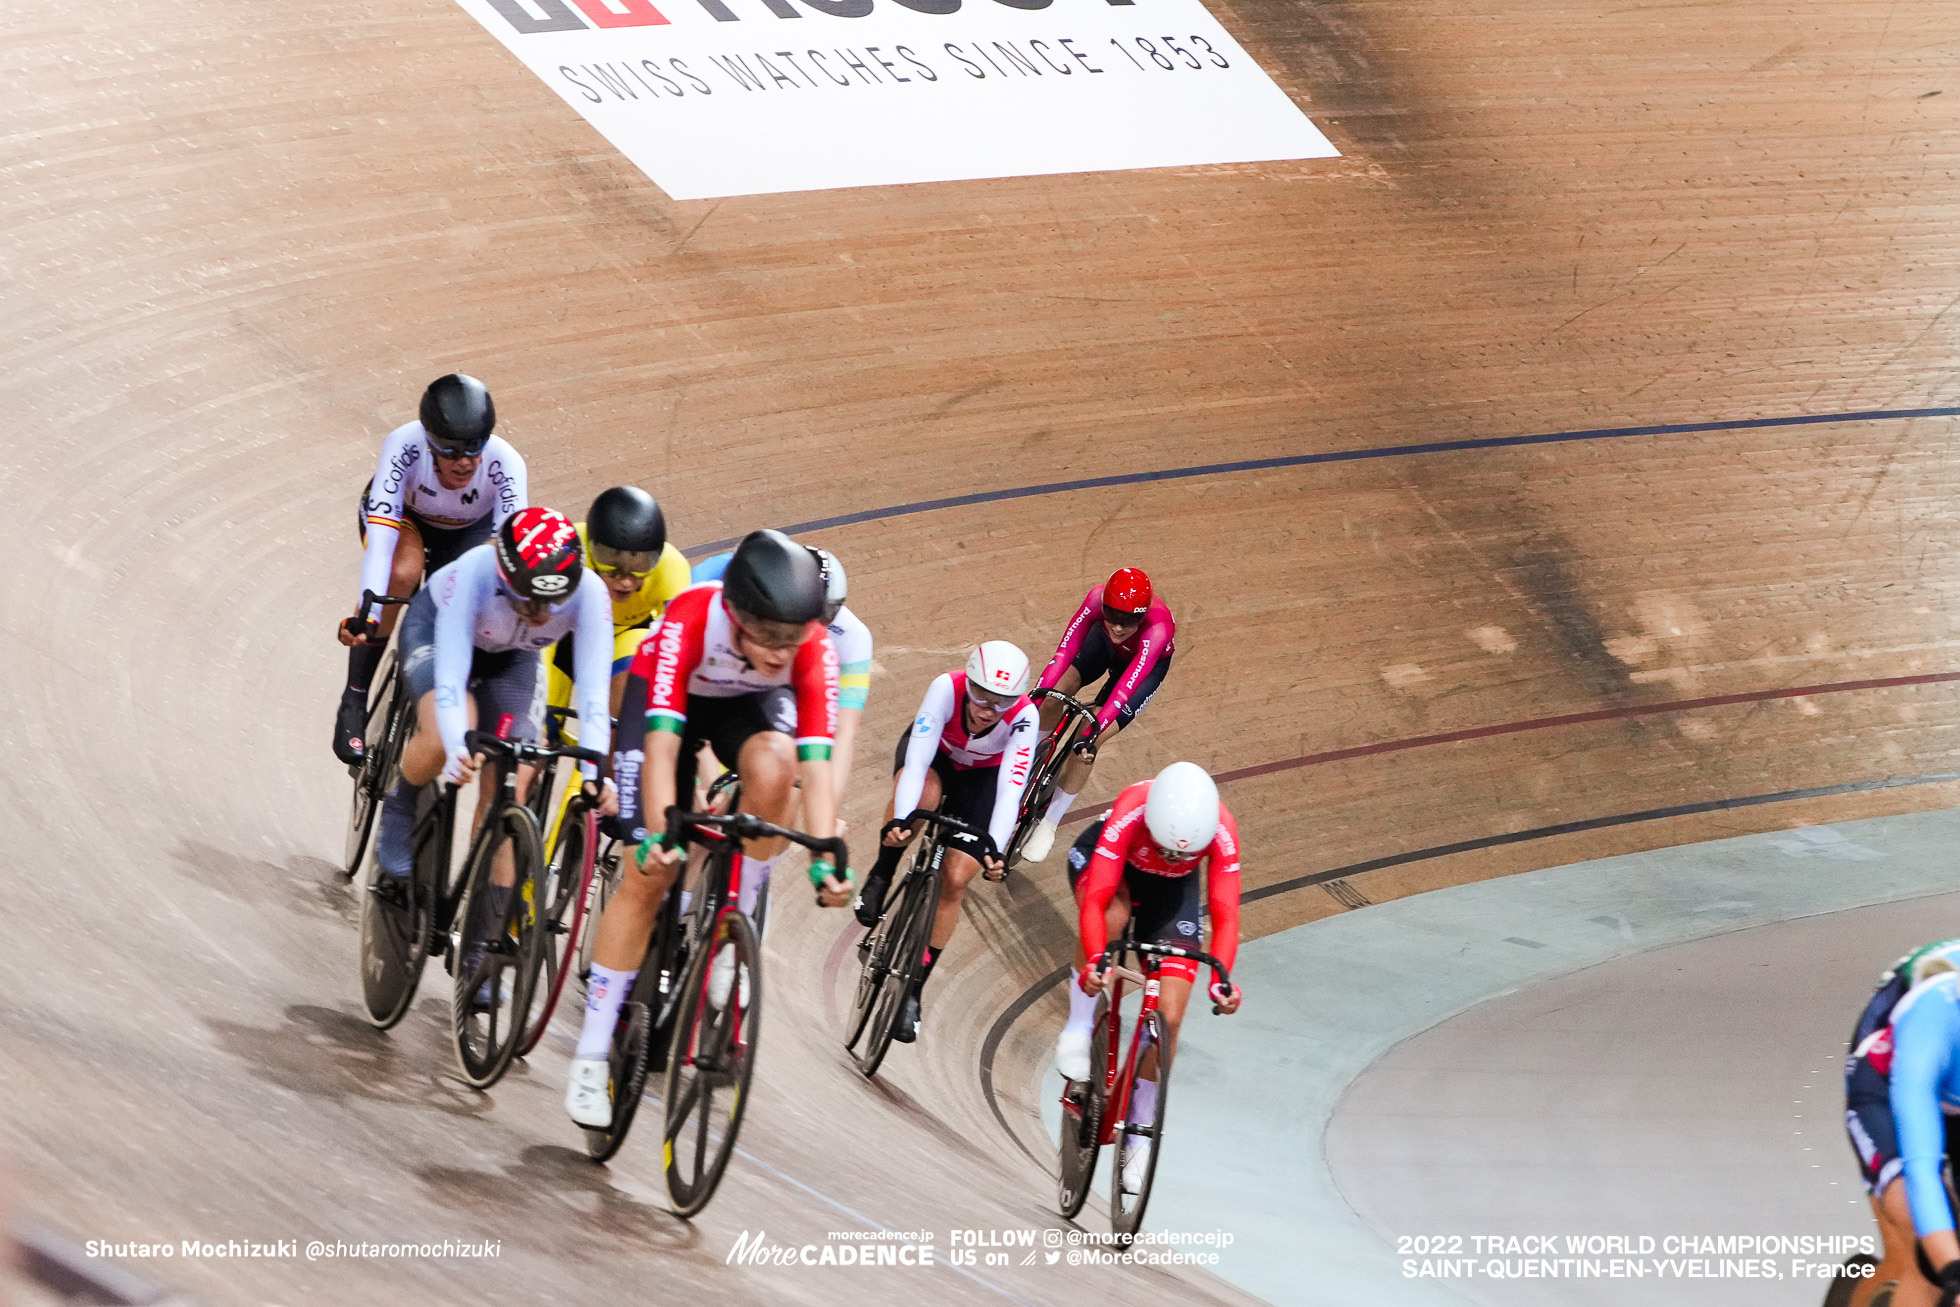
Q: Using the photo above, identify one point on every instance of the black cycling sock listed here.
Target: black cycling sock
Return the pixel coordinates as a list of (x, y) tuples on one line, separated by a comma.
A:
[(362, 659), (887, 864)]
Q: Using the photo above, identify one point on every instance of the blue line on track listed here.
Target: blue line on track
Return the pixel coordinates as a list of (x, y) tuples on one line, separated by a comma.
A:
[(1335, 456)]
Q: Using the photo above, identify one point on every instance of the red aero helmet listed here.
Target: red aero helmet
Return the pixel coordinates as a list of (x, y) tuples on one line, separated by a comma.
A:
[(538, 555), (1127, 591)]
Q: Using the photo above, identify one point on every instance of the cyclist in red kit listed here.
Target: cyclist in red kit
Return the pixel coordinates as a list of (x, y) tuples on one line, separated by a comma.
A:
[(1122, 630)]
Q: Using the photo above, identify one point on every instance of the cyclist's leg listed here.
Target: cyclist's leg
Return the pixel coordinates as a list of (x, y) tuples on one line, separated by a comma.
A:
[(969, 797), (1072, 1045), (505, 685), (1874, 1138), (365, 657)]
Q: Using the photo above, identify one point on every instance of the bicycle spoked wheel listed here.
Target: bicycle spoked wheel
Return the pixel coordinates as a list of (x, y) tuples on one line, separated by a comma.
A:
[(371, 778), (559, 899), (710, 1062), (1082, 1122), (1125, 1207), (1039, 793), (497, 950), (909, 920), (627, 1079)]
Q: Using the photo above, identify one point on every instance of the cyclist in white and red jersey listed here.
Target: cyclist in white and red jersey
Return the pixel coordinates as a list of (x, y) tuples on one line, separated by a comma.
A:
[(1141, 861), (1122, 629), (443, 484), (967, 754), (746, 667), (469, 649)]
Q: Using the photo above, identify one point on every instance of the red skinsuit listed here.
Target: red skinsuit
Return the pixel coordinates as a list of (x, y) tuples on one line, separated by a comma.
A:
[(1152, 641), (1126, 840), (692, 652)]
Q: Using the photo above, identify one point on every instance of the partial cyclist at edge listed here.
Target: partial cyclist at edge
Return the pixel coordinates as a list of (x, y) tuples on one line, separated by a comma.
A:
[(1140, 862), (852, 639), (1902, 1111), (624, 541), (442, 485), (744, 666), (967, 754), (1125, 631)]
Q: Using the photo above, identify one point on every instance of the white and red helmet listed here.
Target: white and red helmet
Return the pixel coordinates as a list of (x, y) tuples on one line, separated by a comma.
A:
[(998, 668), (538, 555)]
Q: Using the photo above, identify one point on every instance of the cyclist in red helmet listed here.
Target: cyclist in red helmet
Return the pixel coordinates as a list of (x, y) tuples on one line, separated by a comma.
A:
[(1122, 630), (469, 651)]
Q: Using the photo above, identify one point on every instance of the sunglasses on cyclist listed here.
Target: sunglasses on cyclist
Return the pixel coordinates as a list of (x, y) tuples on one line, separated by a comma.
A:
[(777, 636), (996, 703), (1116, 617), (1172, 855), (607, 561), (457, 453)]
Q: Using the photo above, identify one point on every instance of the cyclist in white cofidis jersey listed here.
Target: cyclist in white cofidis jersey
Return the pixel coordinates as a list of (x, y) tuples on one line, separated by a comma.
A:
[(443, 484), (967, 754)]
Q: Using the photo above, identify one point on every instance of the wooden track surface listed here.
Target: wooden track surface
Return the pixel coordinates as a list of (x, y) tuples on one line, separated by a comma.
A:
[(239, 238)]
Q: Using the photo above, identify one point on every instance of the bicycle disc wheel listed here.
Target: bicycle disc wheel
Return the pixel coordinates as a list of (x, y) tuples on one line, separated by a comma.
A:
[(1082, 1121), (563, 892), (628, 1075), (497, 951), (911, 919), (370, 779), (1125, 1208), (710, 1062), (395, 938)]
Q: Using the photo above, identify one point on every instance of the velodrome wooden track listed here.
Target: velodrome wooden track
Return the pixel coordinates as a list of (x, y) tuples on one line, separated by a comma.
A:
[(240, 237)]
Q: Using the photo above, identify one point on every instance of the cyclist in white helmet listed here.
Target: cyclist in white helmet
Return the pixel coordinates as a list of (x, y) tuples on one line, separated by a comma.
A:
[(967, 754), (1141, 860)]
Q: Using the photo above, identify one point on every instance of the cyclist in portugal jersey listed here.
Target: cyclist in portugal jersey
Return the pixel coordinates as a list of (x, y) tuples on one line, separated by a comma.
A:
[(1902, 1110), (966, 754), (1142, 862), (745, 667), (1125, 631), (853, 641), (443, 484)]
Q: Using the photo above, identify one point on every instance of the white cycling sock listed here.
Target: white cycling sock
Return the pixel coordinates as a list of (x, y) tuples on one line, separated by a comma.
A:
[(1081, 1007), (1143, 1103), (687, 900), (1058, 809), (604, 993), (755, 874)]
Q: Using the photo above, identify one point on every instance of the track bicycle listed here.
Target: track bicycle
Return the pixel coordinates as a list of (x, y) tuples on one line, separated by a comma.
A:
[(1095, 1112), (695, 1008), (487, 943), (1077, 725), (388, 715), (892, 953), (565, 899)]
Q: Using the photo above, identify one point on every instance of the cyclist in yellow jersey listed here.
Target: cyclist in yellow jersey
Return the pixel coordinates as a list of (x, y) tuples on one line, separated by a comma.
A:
[(624, 538)]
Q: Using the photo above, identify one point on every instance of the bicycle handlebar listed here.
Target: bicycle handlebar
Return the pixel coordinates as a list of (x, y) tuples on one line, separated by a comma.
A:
[(521, 751), (1071, 707), (1104, 963), (369, 600), (683, 825)]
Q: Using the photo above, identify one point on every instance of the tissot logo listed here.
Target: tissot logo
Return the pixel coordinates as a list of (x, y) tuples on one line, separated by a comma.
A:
[(529, 16)]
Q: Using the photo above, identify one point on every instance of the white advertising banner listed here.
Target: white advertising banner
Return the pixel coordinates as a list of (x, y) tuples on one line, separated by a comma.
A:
[(743, 97)]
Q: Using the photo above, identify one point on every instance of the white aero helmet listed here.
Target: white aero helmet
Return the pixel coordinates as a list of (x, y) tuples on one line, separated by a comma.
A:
[(998, 668), (1182, 810), (834, 590)]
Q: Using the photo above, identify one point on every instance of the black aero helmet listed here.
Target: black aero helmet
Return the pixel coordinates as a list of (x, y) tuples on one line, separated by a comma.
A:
[(627, 519), (773, 578), (457, 414)]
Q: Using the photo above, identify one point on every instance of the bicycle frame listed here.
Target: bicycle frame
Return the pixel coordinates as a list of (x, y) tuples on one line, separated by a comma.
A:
[(1120, 1080)]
